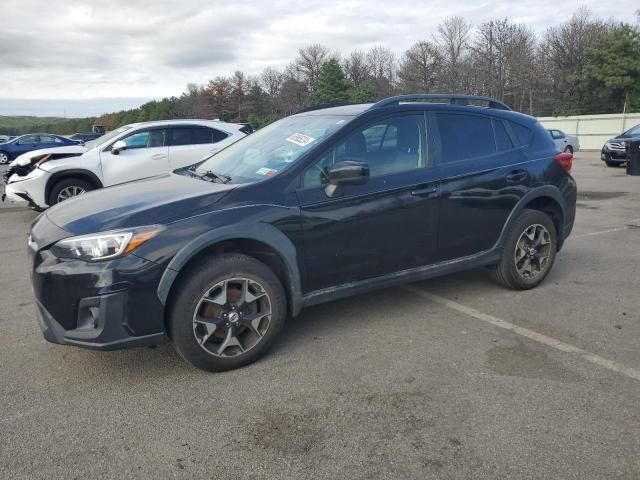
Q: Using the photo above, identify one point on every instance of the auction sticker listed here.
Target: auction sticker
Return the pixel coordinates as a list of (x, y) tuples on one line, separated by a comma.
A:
[(268, 172), (300, 139)]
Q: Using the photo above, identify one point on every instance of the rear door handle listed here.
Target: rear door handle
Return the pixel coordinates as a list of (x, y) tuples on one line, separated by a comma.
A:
[(517, 177), (426, 192)]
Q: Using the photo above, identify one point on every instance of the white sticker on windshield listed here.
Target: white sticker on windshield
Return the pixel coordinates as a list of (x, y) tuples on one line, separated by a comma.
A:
[(300, 139), (269, 172)]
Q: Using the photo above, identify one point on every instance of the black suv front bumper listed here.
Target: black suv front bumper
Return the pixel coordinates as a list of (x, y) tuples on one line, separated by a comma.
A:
[(98, 305)]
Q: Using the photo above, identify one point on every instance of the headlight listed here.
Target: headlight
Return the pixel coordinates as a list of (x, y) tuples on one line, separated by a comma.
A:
[(104, 246)]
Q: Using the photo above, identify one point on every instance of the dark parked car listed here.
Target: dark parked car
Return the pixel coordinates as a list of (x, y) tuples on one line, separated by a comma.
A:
[(317, 206), (85, 137), (32, 141), (613, 151)]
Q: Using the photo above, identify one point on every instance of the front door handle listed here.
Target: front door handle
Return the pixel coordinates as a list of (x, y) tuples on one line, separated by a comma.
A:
[(426, 192), (157, 156), (517, 177)]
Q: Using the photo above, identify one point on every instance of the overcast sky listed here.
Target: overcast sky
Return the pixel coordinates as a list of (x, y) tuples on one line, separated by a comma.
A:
[(115, 49)]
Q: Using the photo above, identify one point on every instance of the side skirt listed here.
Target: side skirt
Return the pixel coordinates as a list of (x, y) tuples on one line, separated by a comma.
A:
[(404, 276)]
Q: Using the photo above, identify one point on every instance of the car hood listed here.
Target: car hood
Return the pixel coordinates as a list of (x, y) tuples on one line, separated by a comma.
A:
[(154, 200), (620, 138), (25, 158)]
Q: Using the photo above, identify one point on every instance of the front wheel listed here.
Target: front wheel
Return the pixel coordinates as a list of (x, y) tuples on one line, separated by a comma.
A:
[(4, 158), (68, 188), (528, 252), (612, 164), (226, 313)]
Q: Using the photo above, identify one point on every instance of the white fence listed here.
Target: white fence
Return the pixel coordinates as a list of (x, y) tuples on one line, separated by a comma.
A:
[(593, 130)]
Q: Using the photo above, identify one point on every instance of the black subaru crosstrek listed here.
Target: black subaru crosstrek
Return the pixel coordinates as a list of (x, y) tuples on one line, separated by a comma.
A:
[(319, 205)]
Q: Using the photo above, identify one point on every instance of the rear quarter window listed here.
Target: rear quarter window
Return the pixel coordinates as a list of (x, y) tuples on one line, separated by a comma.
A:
[(523, 134)]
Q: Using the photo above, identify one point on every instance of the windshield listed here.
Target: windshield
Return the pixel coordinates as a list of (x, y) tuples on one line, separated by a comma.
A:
[(632, 132), (106, 137), (272, 149)]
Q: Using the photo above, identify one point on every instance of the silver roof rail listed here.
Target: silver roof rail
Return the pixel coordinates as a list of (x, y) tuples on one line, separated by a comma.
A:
[(453, 99)]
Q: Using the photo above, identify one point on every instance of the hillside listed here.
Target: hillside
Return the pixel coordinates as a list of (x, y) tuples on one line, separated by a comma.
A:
[(16, 125)]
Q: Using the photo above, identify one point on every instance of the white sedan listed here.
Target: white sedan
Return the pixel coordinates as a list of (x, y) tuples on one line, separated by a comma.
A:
[(564, 142), (45, 177)]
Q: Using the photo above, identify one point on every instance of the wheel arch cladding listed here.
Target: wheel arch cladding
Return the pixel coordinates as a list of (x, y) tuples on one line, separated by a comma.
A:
[(73, 173), (261, 241), (549, 201)]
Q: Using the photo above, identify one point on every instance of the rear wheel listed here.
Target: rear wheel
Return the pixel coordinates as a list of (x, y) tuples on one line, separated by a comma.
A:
[(68, 188), (227, 312), (528, 252), (4, 158), (568, 149)]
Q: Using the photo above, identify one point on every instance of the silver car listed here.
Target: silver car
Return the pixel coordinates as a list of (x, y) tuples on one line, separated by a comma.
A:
[(564, 142)]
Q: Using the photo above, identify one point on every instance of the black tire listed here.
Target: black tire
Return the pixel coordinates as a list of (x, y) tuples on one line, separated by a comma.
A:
[(188, 301), (68, 183), (4, 158), (568, 149), (612, 164), (505, 272)]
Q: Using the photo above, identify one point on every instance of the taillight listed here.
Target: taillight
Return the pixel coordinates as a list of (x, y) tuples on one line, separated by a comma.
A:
[(565, 159)]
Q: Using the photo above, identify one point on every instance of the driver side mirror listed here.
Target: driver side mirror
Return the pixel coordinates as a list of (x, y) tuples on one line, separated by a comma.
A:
[(119, 146), (347, 172)]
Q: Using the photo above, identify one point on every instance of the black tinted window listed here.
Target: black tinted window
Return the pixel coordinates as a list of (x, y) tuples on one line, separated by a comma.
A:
[(393, 145), (522, 133), (190, 136), (465, 136), (503, 142), (218, 135)]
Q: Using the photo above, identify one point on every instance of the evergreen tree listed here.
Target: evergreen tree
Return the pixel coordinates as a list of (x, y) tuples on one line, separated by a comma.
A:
[(332, 85), (613, 67)]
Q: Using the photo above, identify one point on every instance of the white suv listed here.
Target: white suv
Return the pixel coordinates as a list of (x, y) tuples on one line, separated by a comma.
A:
[(45, 177)]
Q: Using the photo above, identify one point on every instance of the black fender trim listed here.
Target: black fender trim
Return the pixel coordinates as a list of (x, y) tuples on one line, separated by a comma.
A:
[(73, 172), (260, 232), (540, 192)]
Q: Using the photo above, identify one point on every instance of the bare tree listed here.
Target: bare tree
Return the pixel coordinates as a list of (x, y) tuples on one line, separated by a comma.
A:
[(419, 67), (452, 39), (490, 48), (566, 47), (309, 61), (271, 80), (382, 67), (356, 68)]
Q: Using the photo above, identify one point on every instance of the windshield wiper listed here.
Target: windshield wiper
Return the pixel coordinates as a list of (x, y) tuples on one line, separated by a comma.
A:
[(216, 176)]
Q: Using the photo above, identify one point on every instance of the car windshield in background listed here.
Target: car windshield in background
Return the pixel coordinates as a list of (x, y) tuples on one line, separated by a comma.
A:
[(272, 149), (106, 137)]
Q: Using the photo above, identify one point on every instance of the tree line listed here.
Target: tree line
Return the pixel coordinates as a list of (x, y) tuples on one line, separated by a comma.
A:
[(585, 65)]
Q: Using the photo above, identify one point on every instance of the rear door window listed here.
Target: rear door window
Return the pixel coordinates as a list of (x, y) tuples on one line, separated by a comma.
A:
[(464, 137), (190, 136)]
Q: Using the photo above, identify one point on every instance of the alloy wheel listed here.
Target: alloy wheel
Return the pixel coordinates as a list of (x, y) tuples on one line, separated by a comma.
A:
[(232, 317), (532, 251), (4, 158), (69, 192)]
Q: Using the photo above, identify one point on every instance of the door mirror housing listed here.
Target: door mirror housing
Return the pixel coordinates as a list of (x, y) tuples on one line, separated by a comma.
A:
[(347, 172), (119, 146)]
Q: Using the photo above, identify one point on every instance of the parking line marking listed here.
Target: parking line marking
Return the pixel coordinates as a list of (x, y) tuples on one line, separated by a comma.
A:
[(611, 230), (525, 332)]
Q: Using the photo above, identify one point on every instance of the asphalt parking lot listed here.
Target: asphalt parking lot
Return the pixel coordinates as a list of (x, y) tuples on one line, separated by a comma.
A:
[(449, 378)]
